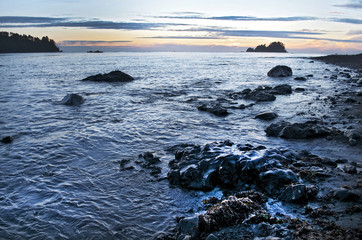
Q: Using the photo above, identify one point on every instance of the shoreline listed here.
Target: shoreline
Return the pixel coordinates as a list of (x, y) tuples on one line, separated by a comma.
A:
[(349, 61), (333, 211)]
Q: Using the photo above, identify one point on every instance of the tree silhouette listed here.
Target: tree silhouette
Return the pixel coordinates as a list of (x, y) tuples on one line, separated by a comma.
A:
[(273, 47), (16, 43)]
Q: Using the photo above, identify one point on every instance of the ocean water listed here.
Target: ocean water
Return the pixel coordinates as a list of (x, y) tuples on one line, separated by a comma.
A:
[(61, 178)]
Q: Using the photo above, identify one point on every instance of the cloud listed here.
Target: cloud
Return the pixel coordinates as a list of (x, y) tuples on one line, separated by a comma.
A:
[(24, 19), (186, 37), (357, 32), (23, 22), (87, 42), (240, 18), (352, 4), (347, 20)]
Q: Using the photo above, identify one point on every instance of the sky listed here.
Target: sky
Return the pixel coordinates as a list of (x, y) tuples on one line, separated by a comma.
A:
[(304, 26)]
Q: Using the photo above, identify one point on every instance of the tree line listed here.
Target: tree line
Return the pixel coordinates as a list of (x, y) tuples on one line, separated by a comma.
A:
[(273, 47), (17, 43)]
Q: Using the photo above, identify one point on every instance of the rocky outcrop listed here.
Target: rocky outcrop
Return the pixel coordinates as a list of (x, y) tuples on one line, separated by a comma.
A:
[(280, 71), (72, 100), (309, 129), (114, 76), (206, 167)]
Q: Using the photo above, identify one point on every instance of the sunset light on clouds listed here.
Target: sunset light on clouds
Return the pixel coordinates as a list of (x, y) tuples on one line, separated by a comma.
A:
[(158, 25)]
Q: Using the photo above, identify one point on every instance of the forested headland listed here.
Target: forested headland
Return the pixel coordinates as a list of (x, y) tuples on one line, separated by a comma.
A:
[(273, 47), (16, 43)]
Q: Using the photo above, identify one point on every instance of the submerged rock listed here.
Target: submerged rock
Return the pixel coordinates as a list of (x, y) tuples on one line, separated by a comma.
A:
[(215, 108), (7, 139), (300, 78), (267, 116), (114, 76), (280, 71), (72, 100)]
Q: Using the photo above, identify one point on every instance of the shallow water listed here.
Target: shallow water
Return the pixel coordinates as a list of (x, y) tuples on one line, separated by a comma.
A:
[(61, 178)]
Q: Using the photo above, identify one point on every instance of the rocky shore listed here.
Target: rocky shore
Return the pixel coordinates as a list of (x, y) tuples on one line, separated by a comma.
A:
[(276, 193)]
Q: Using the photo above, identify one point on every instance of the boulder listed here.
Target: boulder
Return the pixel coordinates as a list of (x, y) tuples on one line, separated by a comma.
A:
[(280, 71), (114, 76), (267, 116), (275, 179), (72, 100)]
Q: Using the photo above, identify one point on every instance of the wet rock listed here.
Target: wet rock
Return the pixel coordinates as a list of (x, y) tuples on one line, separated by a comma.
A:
[(150, 158), (350, 100), (300, 78), (266, 116), (72, 100), (350, 169), (345, 195), (211, 237), (260, 96), (215, 108), (293, 193), (188, 226), (7, 140), (114, 76), (275, 179), (309, 75), (353, 137), (282, 89), (287, 130), (280, 71), (299, 89)]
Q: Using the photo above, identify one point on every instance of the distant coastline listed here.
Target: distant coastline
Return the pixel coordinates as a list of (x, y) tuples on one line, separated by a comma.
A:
[(351, 61), (273, 47), (16, 43)]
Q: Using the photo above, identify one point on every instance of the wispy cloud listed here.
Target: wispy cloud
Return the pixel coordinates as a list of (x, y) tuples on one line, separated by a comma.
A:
[(23, 22), (352, 4), (186, 37), (87, 42), (259, 19), (357, 32)]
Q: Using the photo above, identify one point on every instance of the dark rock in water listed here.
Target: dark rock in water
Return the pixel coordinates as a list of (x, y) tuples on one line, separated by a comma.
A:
[(260, 96), (114, 76), (309, 75), (215, 108), (293, 193), (267, 116), (277, 178), (280, 71), (72, 100), (350, 169), (188, 226), (287, 130), (350, 100), (7, 139), (299, 89), (282, 89), (345, 195), (300, 78), (150, 158)]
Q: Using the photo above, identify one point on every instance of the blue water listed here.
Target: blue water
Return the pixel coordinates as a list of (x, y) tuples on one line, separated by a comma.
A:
[(61, 177)]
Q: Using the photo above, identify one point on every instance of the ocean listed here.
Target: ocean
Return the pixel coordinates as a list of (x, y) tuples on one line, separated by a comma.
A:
[(61, 176)]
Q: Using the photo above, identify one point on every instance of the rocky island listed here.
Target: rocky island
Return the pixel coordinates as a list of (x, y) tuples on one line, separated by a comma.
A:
[(273, 47), (16, 43)]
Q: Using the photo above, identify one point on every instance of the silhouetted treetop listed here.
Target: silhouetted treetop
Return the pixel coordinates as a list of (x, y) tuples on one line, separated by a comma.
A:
[(273, 47), (16, 43)]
